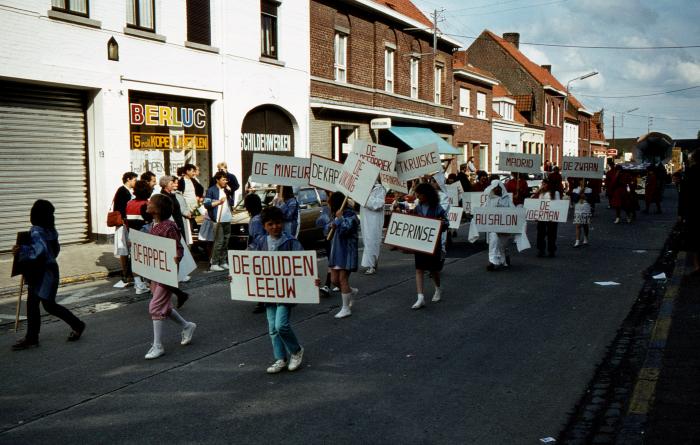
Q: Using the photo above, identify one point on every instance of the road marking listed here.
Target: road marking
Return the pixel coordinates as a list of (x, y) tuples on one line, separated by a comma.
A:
[(645, 387), (11, 317), (82, 295)]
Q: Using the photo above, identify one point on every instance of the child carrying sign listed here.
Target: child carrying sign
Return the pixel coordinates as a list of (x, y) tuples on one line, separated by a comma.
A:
[(160, 307), (284, 342)]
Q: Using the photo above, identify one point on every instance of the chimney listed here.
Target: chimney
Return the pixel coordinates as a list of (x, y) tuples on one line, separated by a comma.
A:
[(548, 68), (513, 38)]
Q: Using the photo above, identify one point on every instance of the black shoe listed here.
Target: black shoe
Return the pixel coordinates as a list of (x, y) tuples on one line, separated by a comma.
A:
[(551, 254), (507, 260), (75, 334), (491, 267), (259, 308), (182, 299), (540, 254), (25, 344)]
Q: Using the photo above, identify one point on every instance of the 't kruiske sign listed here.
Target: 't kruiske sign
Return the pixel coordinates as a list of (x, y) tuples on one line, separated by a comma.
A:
[(273, 277), (423, 161), (413, 232), (153, 257)]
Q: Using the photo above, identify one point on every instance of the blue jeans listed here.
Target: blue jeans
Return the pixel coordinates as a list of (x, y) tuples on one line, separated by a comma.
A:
[(284, 342)]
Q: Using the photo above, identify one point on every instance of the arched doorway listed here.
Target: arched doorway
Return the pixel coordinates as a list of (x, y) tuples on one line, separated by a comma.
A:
[(265, 129)]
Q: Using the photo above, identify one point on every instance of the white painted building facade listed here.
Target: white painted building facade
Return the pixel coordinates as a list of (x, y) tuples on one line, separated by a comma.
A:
[(245, 89), (505, 131)]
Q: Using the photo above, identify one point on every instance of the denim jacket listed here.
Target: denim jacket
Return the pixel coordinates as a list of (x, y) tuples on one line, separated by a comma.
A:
[(39, 261)]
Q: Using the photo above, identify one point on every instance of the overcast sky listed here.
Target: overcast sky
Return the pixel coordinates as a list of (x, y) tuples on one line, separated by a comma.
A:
[(622, 72)]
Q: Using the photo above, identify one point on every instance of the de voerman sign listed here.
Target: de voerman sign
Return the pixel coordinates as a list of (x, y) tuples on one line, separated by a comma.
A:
[(273, 277)]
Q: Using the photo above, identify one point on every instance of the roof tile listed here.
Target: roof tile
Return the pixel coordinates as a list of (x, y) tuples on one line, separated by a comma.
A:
[(406, 8)]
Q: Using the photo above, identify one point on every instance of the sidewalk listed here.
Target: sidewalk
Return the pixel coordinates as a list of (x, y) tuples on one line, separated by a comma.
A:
[(77, 263), (675, 405)]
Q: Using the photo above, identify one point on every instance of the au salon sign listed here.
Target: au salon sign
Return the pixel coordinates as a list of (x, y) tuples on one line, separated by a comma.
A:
[(167, 123)]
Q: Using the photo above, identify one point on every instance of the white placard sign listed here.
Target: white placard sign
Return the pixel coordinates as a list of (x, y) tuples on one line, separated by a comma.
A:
[(419, 162), (452, 196), (280, 170), (382, 156), (273, 277), (153, 257), (454, 216), (324, 173), (357, 178), (519, 162), (580, 167), (546, 210), (391, 181), (473, 199), (499, 219), (413, 232)]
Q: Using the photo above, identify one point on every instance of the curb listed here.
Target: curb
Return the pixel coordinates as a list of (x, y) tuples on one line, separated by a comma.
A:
[(644, 392), (65, 281)]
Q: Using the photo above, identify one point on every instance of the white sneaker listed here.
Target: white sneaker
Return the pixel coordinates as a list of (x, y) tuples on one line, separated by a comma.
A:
[(437, 295), (325, 289), (336, 288), (276, 367), (577, 243), (295, 360), (215, 268), (617, 221), (155, 352), (224, 265), (585, 241), (420, 302), (186, 279), (344, 312), (141, 290), (120, 284), (187, 333), (370, 271)]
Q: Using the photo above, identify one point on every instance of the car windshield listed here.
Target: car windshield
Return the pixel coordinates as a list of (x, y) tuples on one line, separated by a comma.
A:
[(266, 196)]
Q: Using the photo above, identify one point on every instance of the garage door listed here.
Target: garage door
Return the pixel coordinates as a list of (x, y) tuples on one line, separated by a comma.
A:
[(43, 155)]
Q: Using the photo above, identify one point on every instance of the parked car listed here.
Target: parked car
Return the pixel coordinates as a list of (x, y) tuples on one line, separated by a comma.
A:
[(310, 201)]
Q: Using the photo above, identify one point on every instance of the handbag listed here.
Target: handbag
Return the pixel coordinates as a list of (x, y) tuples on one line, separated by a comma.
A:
[(114, 217)]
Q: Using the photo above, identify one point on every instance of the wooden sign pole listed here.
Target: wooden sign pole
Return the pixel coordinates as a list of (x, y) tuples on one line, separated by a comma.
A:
[(332, 231), (19, 302)]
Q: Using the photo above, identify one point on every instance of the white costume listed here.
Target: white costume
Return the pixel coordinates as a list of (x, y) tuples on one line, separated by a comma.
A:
[(371, 224), (499, 242)]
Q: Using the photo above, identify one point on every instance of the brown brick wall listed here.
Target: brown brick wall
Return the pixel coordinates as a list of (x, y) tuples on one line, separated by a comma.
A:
[(365, 60)]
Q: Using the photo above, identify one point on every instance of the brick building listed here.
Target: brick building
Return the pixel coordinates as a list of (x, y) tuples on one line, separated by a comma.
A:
[(539, 94), (375, 59), (599, 145), (473, 90)]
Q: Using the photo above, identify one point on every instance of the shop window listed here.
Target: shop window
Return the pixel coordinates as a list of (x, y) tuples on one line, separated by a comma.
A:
[(268, 28), (340, 65), (77, 7), (140, 14), (199, 21)]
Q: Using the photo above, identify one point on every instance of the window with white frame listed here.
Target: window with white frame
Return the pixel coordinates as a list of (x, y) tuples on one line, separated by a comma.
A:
[(551, 114), (414, 77), (558, 115), (389, 69), (77, 7), (480, 105), (546, 110), (140, 14), (464, 102), (268, 29), (340, 64), (437, 81)]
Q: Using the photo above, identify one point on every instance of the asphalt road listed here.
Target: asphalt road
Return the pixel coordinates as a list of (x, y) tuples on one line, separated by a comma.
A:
[(501, 360)]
